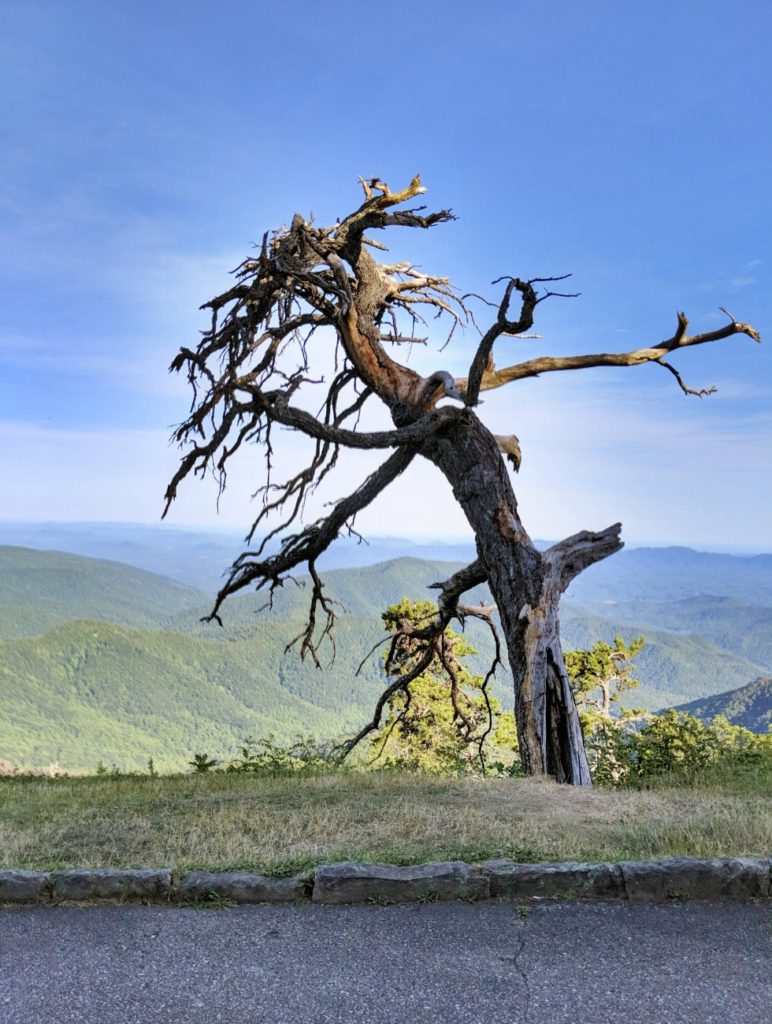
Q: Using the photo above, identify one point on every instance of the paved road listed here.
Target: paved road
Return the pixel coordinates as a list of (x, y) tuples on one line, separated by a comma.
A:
[(444, 963)]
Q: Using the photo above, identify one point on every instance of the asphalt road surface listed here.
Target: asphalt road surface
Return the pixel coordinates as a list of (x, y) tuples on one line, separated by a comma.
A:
[(490, 963)]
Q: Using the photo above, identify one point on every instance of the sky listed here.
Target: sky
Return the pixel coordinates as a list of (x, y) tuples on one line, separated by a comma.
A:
[(147, 147)]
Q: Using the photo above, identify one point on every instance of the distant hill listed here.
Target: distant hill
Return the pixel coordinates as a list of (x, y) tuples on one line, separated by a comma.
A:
[(744, 629), (40, 589), (673, 574), (749, 706), (200, 557)]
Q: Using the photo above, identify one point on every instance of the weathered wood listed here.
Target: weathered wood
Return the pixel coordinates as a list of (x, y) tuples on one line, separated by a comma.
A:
[(524, 588)]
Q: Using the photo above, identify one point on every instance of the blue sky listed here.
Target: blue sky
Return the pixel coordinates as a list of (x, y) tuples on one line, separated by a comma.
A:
[(147, 146)]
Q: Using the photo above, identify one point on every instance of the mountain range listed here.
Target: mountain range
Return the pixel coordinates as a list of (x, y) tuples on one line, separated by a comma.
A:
[(107, 661)]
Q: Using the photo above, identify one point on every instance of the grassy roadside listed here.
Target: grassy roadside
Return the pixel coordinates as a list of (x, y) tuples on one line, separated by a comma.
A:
[(279, 825)]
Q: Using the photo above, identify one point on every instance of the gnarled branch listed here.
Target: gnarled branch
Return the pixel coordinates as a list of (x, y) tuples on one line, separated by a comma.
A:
[(308, 545), (637, 357), (482, 361), (423, 643)]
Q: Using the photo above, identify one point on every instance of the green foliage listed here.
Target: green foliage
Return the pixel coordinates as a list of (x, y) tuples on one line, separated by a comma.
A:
[(305, 756), (623, 751), (599, 677), (676, 743), (442, 724), (202, 763)]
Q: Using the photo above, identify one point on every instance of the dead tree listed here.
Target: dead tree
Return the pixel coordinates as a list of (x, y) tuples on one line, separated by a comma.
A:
[(309, 288)]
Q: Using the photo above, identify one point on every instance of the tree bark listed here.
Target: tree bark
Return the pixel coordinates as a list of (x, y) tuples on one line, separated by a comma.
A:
[(526, 586)]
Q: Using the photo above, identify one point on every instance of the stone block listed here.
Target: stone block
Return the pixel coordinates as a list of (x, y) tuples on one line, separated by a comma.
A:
[(352, 882), (111, 884), (692, 878), (239, 887), (24, 886), (570, 880)]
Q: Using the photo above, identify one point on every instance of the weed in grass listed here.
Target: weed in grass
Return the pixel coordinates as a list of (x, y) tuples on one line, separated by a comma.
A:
[(210, 901)]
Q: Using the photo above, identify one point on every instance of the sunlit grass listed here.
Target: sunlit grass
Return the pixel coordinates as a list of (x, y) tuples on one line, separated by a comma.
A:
[(277, 825)]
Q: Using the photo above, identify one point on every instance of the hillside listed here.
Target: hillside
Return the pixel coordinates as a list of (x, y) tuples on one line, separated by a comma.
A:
[(749, 706), (41, 589), (744, 629), (89, 691), (670, 666), (102, 661)]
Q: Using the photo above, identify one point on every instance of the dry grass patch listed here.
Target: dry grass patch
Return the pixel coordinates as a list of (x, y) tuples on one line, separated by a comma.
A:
[(231, 821)]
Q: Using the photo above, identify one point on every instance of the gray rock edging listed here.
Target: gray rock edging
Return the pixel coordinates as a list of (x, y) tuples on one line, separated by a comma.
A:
[(719, 878)]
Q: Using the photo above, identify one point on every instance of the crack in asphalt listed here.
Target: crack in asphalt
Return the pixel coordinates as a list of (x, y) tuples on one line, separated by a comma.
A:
[(515, 960), (523, 974)]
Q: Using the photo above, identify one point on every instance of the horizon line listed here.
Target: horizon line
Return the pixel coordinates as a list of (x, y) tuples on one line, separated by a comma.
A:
[(415, 538)]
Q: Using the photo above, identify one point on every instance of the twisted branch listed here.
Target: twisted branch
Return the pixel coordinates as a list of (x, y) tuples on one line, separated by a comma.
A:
[(550, 364)]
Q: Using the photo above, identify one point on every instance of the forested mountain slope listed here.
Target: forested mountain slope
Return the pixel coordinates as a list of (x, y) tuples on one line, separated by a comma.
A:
[(90, 691), (749, 706), (740, 627), (40, 589)]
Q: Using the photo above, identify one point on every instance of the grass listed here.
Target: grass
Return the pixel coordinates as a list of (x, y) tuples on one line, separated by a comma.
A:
[(280, 825)]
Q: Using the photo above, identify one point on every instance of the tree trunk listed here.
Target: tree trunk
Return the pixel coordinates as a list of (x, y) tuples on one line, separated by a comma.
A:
[(526, 586)]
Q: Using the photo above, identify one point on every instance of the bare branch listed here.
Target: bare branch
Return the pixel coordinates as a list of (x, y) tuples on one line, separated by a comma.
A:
[(309, 642), (550, 364), (573, 555), (502, 326), (342, 750), (483, 361), (305, 547), (471, 575), (682, 384)]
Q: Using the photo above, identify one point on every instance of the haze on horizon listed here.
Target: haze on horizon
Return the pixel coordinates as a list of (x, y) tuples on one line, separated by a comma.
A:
[(564, 139)]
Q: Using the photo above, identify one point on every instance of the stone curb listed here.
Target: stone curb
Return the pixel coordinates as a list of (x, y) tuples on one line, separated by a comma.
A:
[(353, 882), (239, 887), (723, 878)]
